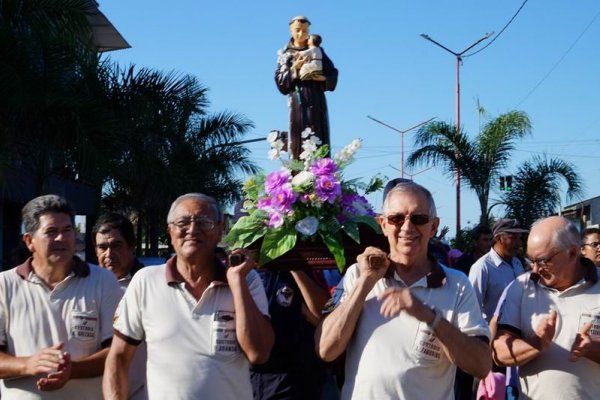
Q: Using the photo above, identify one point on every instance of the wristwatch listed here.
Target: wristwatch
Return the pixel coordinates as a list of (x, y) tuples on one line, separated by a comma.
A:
[(438, 318)]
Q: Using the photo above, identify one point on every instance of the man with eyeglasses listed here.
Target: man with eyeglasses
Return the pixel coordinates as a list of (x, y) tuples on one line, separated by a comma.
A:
[(404, 320), (590, 246), (114, 241), (203, 323), (549, 318)]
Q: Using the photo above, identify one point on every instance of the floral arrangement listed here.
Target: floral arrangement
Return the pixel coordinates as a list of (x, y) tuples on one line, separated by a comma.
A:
[(306, 198)]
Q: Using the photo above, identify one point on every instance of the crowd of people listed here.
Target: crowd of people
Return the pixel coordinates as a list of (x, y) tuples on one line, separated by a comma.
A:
[(208, 324)]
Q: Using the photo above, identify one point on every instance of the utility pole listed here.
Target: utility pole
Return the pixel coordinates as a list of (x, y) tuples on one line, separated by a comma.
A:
[(458, 56), (402, 132)]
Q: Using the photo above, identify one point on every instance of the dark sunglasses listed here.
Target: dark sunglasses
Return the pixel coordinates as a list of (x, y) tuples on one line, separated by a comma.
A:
[(415, 219)]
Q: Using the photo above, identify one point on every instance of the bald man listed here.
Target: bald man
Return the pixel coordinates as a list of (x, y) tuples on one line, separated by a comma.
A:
[(549, 318)]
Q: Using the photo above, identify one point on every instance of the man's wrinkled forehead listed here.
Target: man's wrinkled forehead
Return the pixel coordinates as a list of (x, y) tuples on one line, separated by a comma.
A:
[(195, 207)]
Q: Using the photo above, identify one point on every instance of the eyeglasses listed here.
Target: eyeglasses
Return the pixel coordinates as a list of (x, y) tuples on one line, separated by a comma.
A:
[(202, 223), (415, 219), (593, 244), (542, 262)]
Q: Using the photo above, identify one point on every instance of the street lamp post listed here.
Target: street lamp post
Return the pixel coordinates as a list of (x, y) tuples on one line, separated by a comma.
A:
[(402, 132), (458, 56)]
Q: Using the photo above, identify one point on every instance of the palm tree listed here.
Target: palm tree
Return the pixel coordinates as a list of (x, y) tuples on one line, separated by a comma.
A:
[(479, 160), (45, 55), (170, 145), (536, 189)]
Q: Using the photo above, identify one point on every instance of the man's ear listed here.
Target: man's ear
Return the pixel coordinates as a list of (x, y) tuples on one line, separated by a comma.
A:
[(434, 226), (28, 240), (381, 220)]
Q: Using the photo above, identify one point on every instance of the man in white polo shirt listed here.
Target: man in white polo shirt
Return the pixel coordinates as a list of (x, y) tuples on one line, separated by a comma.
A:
[(202, 323), (405, 320), (549, 319), (55, 312)]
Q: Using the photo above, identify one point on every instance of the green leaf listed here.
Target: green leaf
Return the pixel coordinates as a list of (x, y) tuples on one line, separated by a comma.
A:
[(296, 165), (351, 230), (321, 152), (275, 243), (334, 245), (245, 232), (365, 219), (331, 226)]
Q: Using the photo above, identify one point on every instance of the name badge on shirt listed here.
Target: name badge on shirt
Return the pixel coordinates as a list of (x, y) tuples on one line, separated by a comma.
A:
[(224, 340), (83, 325), (427, 345), (595, 320)]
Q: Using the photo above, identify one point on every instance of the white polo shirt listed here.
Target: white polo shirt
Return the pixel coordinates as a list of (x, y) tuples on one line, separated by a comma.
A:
[(490, 275), (551, 375), (192, 347), (137, 368), (78, 311), (401, 357)]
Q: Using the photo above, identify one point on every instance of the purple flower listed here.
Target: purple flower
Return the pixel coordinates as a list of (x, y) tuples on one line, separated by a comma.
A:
[(283, 198), (264, 204), (354, 204), (324, 166), (276, 179), (275, 220), (328, 188)]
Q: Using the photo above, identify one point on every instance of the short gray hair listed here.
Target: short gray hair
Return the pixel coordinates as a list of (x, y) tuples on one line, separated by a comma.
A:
[(198, 197), (41, 205), (565, 237), (410, 187)]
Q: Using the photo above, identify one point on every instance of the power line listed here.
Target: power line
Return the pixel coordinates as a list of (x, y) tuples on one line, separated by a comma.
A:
[(559, 60), (499, 33)]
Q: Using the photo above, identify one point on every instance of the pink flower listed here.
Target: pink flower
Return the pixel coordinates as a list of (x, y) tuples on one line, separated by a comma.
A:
[(276, 179), (324, 166), (328, 188), (283, 198), (275, 220)]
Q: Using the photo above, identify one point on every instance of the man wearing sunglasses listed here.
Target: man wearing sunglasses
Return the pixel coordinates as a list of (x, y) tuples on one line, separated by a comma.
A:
[(203, 324), (590, 245), (549, 318), (404, 320)]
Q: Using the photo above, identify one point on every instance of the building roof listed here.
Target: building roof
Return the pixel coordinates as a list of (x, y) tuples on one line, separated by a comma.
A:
[(105, 35)]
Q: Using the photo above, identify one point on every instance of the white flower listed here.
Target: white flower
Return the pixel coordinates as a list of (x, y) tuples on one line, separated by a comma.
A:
[(278, 144), (272, 137), (309, 145), (355, 145), (308, 226), (305, 155), (273, 154), (303, 180), (306, 133), (315, 140)]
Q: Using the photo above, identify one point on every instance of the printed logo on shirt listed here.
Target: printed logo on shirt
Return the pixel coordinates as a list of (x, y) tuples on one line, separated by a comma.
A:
[(224, 340), (83, 325), (285, 296), (427, 345)]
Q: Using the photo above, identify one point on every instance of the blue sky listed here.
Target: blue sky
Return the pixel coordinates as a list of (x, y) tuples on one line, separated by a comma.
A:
[(545, 63)]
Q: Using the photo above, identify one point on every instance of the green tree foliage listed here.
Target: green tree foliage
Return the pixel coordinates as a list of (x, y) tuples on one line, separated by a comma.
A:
[(47, 73), (169, 145), (140, 137), (537, 189), (480, 160)]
